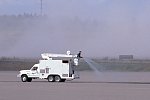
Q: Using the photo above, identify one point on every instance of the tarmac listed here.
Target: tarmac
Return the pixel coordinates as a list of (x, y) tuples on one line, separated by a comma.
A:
[(106, 86)]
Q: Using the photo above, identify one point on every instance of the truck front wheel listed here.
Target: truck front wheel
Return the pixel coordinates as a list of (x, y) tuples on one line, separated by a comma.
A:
[(24, 78), (50, 78)]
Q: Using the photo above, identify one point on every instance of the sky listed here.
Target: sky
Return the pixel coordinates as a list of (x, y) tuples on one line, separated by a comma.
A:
[(116, 27)]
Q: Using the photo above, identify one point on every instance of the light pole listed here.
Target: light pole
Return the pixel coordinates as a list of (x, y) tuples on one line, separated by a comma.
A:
[(41, 7)]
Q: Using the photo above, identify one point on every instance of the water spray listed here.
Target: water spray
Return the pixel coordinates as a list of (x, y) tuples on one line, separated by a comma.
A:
[(92, 66)]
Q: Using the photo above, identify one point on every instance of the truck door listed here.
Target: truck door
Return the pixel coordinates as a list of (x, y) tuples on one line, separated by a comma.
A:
[(34, 72), (65, 68), (71, 71)]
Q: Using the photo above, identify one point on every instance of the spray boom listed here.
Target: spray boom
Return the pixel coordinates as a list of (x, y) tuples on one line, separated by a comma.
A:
[(68, 55)]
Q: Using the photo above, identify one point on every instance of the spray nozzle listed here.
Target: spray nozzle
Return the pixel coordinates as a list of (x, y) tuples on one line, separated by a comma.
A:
[(79, 55)]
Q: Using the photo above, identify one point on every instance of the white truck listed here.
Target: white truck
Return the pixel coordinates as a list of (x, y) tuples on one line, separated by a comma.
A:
[(53, 67)]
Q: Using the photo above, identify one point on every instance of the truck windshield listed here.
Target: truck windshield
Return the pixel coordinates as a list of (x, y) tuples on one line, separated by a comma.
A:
[(34, 68)]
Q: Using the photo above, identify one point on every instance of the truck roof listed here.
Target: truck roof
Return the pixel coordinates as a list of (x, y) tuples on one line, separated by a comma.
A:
[(62, 58), (57, 56)]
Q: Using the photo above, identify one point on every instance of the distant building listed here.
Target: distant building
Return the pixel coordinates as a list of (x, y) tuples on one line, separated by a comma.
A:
[(125, 57)]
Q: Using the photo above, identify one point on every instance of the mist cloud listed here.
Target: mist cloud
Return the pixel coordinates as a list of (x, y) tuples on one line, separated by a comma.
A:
[(97, 27)]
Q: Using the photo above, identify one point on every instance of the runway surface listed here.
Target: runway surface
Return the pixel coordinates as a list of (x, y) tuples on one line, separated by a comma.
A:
[(106, 86)]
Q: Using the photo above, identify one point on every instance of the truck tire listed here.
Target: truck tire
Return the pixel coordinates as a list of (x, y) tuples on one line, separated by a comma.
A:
[(57, 78), (50, 78), (29, 79), (24, 78)]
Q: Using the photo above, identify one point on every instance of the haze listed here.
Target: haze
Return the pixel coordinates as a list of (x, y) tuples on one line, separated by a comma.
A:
[(97, 27)]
